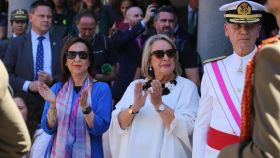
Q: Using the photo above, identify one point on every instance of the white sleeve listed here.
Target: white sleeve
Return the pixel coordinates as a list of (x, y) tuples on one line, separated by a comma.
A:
[(185, 113), (203, 119), (116, 133)]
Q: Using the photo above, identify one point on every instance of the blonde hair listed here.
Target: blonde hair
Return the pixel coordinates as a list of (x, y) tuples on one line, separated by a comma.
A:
[(146, 57)]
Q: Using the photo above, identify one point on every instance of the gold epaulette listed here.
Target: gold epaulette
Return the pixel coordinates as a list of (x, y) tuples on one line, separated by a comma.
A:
[(213, 59), (270, 41)]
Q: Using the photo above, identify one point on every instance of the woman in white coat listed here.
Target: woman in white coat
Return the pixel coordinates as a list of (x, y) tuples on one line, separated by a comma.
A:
[(155, 116)]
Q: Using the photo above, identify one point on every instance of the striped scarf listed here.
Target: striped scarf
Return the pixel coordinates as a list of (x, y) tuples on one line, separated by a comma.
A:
[(72, 138)]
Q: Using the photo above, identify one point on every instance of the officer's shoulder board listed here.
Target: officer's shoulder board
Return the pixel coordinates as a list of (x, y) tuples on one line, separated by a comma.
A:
[(213, 59), (269, 41)]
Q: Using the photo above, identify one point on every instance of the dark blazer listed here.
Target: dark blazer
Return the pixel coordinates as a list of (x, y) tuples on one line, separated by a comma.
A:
[(19, 60), (3, 48), (182, 14), (129, 58), (265, 141)]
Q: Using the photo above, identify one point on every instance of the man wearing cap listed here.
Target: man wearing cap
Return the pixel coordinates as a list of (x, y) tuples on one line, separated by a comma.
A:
[(260, 138), (218, 122), (19, 22)]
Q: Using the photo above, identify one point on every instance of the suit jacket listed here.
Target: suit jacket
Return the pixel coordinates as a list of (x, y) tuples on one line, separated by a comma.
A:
[(182, 14), (14, 137), (265, 142), (129, 57), (19, 60), (3, 48)]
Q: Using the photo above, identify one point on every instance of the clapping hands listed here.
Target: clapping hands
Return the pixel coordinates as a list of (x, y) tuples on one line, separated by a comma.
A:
[(83, 98), (46, 93)]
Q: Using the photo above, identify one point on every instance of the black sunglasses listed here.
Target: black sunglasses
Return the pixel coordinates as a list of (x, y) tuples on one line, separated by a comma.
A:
[(160, 53), (73, 54)]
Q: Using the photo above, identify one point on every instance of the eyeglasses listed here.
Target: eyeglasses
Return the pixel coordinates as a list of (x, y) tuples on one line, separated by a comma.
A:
[(73, 54), (160, 53)]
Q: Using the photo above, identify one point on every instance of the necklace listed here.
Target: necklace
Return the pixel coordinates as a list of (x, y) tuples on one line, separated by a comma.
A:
[(166, 87)]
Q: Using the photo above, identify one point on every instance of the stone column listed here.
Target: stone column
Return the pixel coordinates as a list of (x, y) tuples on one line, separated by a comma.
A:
[(211, 38), (16, 4)]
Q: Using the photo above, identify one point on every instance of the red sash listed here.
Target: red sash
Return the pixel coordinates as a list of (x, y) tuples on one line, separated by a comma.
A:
[(218, 140)]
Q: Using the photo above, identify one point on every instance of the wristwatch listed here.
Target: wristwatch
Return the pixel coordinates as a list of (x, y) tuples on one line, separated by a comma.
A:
[(161, 108), (86, 110), (130, 111)]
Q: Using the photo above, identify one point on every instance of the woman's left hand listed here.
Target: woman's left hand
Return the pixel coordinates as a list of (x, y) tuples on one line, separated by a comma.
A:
[(83, 98), (155, 93)]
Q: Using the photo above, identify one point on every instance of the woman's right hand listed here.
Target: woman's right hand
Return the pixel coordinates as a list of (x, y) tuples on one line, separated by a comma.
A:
[(139, 96), (46, 93)]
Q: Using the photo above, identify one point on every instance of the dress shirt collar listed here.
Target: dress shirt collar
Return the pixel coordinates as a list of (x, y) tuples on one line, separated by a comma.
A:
[(35, 36), (189, 8), (247, 57), (14, 35), (240, 63)]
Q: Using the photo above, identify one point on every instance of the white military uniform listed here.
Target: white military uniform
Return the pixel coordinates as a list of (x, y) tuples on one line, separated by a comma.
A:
[(214, 110)]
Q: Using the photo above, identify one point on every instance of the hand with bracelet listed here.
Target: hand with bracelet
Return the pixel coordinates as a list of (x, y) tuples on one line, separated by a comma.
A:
[(49, 96), (126, 116)]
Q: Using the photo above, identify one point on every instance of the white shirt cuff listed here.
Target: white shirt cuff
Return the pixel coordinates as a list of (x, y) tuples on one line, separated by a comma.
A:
[(25, 86), (143, 23)]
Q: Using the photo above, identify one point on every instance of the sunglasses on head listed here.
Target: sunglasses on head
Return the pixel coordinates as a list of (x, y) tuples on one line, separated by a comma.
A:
[(73, 54), (160, 53)]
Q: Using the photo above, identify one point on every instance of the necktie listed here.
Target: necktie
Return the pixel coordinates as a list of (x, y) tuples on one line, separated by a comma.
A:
[(39, 57), (191, 21)]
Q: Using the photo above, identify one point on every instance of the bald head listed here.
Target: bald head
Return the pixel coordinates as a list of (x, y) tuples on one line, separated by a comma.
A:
[(134, 15)]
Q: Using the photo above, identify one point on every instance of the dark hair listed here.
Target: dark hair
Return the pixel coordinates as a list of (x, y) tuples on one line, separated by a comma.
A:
[(33, 111), (86, 13), (98, 4), (118, 4), (39, 3), (168, 9), (65, 4), (65, 71)]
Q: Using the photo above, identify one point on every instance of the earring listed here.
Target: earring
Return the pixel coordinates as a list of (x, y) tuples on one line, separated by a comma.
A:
[(150, 68)]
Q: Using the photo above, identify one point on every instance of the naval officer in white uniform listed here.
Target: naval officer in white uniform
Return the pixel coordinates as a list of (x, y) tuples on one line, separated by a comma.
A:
[(219, 117)]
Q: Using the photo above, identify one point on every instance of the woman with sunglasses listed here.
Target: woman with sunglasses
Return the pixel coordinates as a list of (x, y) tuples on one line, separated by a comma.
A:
[(77, 110), (155, 116)]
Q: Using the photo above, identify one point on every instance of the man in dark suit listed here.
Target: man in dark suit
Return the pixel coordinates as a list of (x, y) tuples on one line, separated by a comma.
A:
[(261, 137), (129, 44), (188, 20), (35, 56)]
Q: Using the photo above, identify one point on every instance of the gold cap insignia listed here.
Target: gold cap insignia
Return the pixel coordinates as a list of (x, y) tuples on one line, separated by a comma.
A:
[(244, 8)]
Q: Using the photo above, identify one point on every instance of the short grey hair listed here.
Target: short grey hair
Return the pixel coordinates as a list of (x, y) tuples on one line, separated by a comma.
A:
[(146, 57)]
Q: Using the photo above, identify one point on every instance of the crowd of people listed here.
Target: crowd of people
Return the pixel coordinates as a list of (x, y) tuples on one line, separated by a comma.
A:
[(124, 79)]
